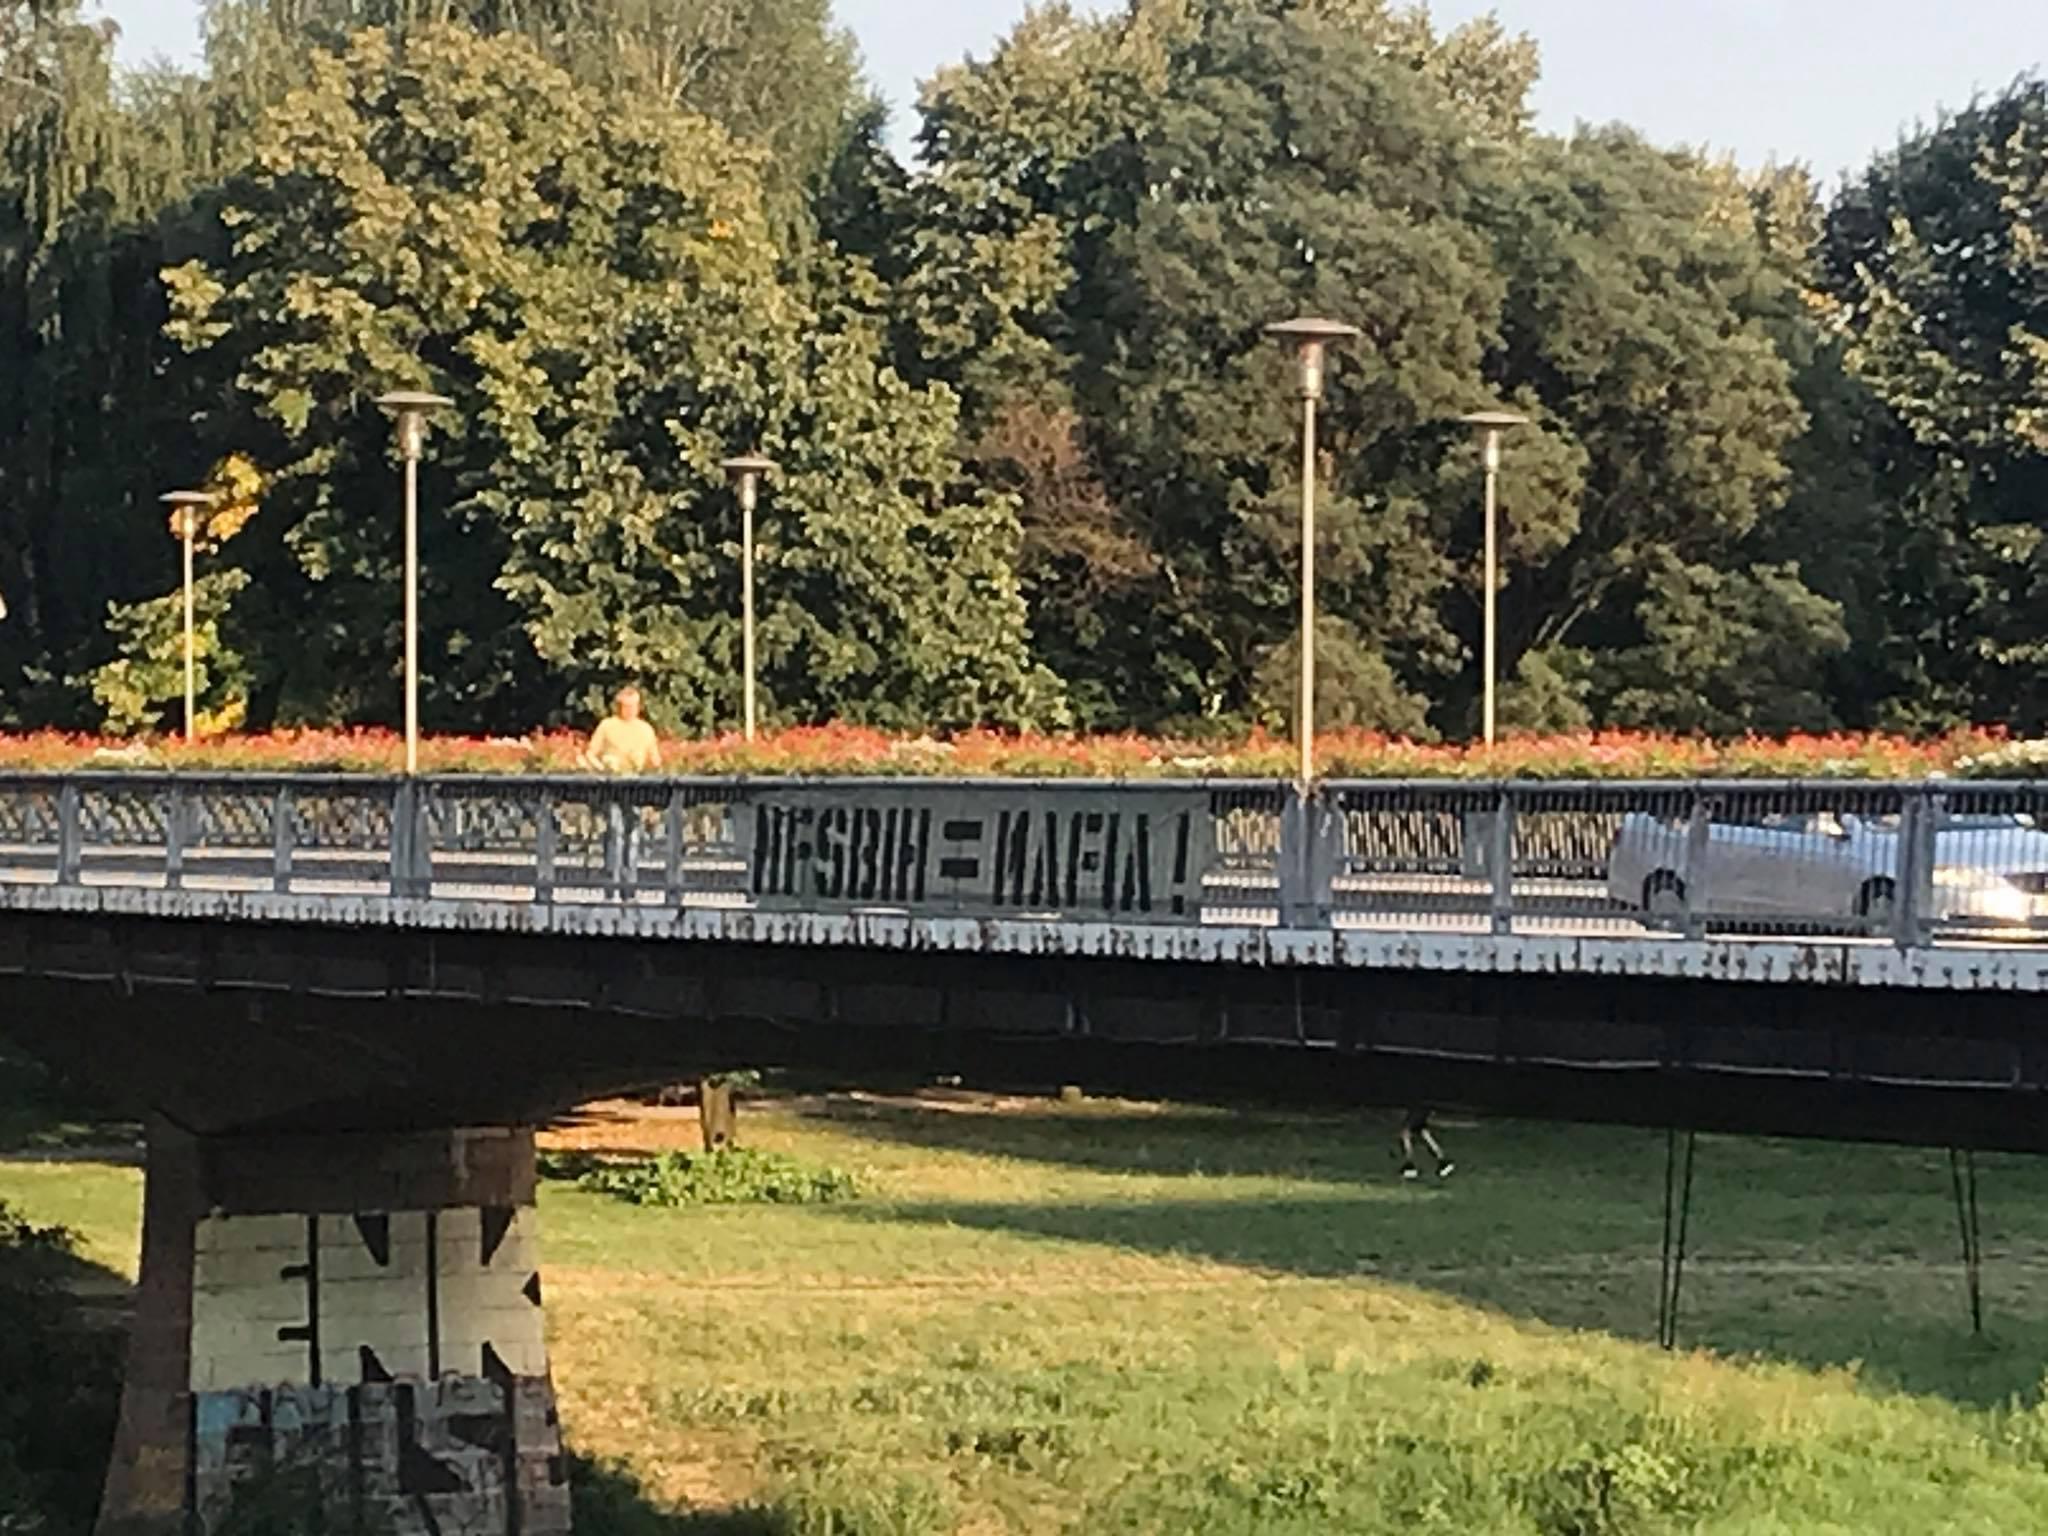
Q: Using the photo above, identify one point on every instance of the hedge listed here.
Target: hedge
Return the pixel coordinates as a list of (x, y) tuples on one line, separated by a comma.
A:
[(840, 750)]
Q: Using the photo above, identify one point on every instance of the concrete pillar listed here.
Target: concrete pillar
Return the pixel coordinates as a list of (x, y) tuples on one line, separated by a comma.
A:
[(347, 1325)]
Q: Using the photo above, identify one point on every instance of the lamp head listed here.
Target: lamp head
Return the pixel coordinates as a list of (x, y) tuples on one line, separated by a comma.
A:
[(409, 408), (185, 508), (1495, 421), (1490, 425), (1312, 337), (746, 472)]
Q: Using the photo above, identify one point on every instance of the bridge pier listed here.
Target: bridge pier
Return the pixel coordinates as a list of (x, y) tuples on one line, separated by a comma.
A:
[(346, 1327)]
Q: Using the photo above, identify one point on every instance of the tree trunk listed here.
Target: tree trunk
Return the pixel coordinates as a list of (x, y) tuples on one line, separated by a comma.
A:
[(717, 1116)]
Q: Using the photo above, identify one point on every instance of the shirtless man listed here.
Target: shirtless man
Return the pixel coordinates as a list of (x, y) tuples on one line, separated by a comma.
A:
[(623, 743)]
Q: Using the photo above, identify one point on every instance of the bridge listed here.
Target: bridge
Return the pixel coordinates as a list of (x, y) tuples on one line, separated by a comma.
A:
[(342, 1001)]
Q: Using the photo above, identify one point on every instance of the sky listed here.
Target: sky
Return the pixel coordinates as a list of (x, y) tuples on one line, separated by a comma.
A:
[(1824, 82)]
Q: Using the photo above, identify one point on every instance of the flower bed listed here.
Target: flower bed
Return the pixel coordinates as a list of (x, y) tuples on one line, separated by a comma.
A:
[(835, 750)]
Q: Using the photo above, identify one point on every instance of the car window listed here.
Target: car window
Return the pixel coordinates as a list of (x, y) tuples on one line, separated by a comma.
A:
[(1802, 823)]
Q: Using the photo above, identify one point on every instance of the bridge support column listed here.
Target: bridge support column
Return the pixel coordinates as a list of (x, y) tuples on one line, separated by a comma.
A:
[(345, 1327)]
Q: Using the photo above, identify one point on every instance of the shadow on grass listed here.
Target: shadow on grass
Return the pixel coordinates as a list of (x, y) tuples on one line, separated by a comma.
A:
[(1815, 1254), (1809, 1313), (42, 1116), (610, 1501), (1624, 1163), (1122, 1139)]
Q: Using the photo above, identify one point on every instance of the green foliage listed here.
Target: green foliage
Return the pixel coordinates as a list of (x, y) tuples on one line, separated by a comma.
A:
[(1548, 693), (89, 171), (1724, 651), (61, 1382), (1786, 464), (140, 688), (1355, 686), (727, 1176), (1935, 274), (1167, 181), (777, 74), (592, 277)]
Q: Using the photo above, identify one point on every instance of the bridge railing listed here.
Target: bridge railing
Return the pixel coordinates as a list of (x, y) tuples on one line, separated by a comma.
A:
[(1906, 862)]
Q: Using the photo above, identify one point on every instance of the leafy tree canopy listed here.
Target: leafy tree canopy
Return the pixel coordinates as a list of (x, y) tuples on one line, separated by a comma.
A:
[(1115, 209), (1787, 457), (591, 277), (1934, 264), (778, 74)]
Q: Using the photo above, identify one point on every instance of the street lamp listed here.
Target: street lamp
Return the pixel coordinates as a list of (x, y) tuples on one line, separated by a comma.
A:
[(185, 508), (1311, 338), (1490, 425), (408, 409), (746, 472)]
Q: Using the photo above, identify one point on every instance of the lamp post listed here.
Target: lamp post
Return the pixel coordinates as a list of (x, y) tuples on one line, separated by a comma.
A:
[(185, 507), (1490, 426), (746, 472), (408, 410), (1311, 338)]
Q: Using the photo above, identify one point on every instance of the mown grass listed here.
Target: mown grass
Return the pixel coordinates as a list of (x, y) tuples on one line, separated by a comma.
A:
[(1106, 1318)]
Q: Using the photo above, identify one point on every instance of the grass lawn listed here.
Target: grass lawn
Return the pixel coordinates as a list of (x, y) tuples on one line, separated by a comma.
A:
[(1117, 1318)]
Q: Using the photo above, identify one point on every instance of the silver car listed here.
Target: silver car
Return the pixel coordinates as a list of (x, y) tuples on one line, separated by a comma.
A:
[(1820, 867)]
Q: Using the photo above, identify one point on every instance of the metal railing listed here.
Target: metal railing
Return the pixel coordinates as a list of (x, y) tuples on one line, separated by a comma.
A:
[(1908, 863)]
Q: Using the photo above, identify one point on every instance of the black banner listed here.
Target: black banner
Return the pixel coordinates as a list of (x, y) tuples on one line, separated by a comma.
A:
[(1040, 852)]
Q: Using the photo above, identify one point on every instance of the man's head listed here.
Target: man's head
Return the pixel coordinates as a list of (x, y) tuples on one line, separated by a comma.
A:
[(627, 704)]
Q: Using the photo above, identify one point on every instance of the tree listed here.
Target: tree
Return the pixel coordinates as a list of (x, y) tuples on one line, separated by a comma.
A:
[(1636, 331), (149, 673), (1083, 566), (1290, 168), (1936, 269), (778, 74), (1114, 211), (592, 278), (1727, 651), (91, 430)]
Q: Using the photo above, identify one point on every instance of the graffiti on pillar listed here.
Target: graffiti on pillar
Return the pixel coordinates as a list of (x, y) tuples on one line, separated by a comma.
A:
[(390, 1459), (1031, 850), (395, 1358)]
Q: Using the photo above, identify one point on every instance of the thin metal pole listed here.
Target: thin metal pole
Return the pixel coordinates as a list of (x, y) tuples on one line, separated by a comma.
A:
[(1976, 1246), (1492, 571), (412, 608), (747, 496), (1664, 1256), (1684, 1227), (1305, 725), (1678, 1205), (1966, 1218), (191, 649)]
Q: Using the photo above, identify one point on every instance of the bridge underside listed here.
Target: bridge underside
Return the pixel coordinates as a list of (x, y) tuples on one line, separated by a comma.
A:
[(235, 1029)]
